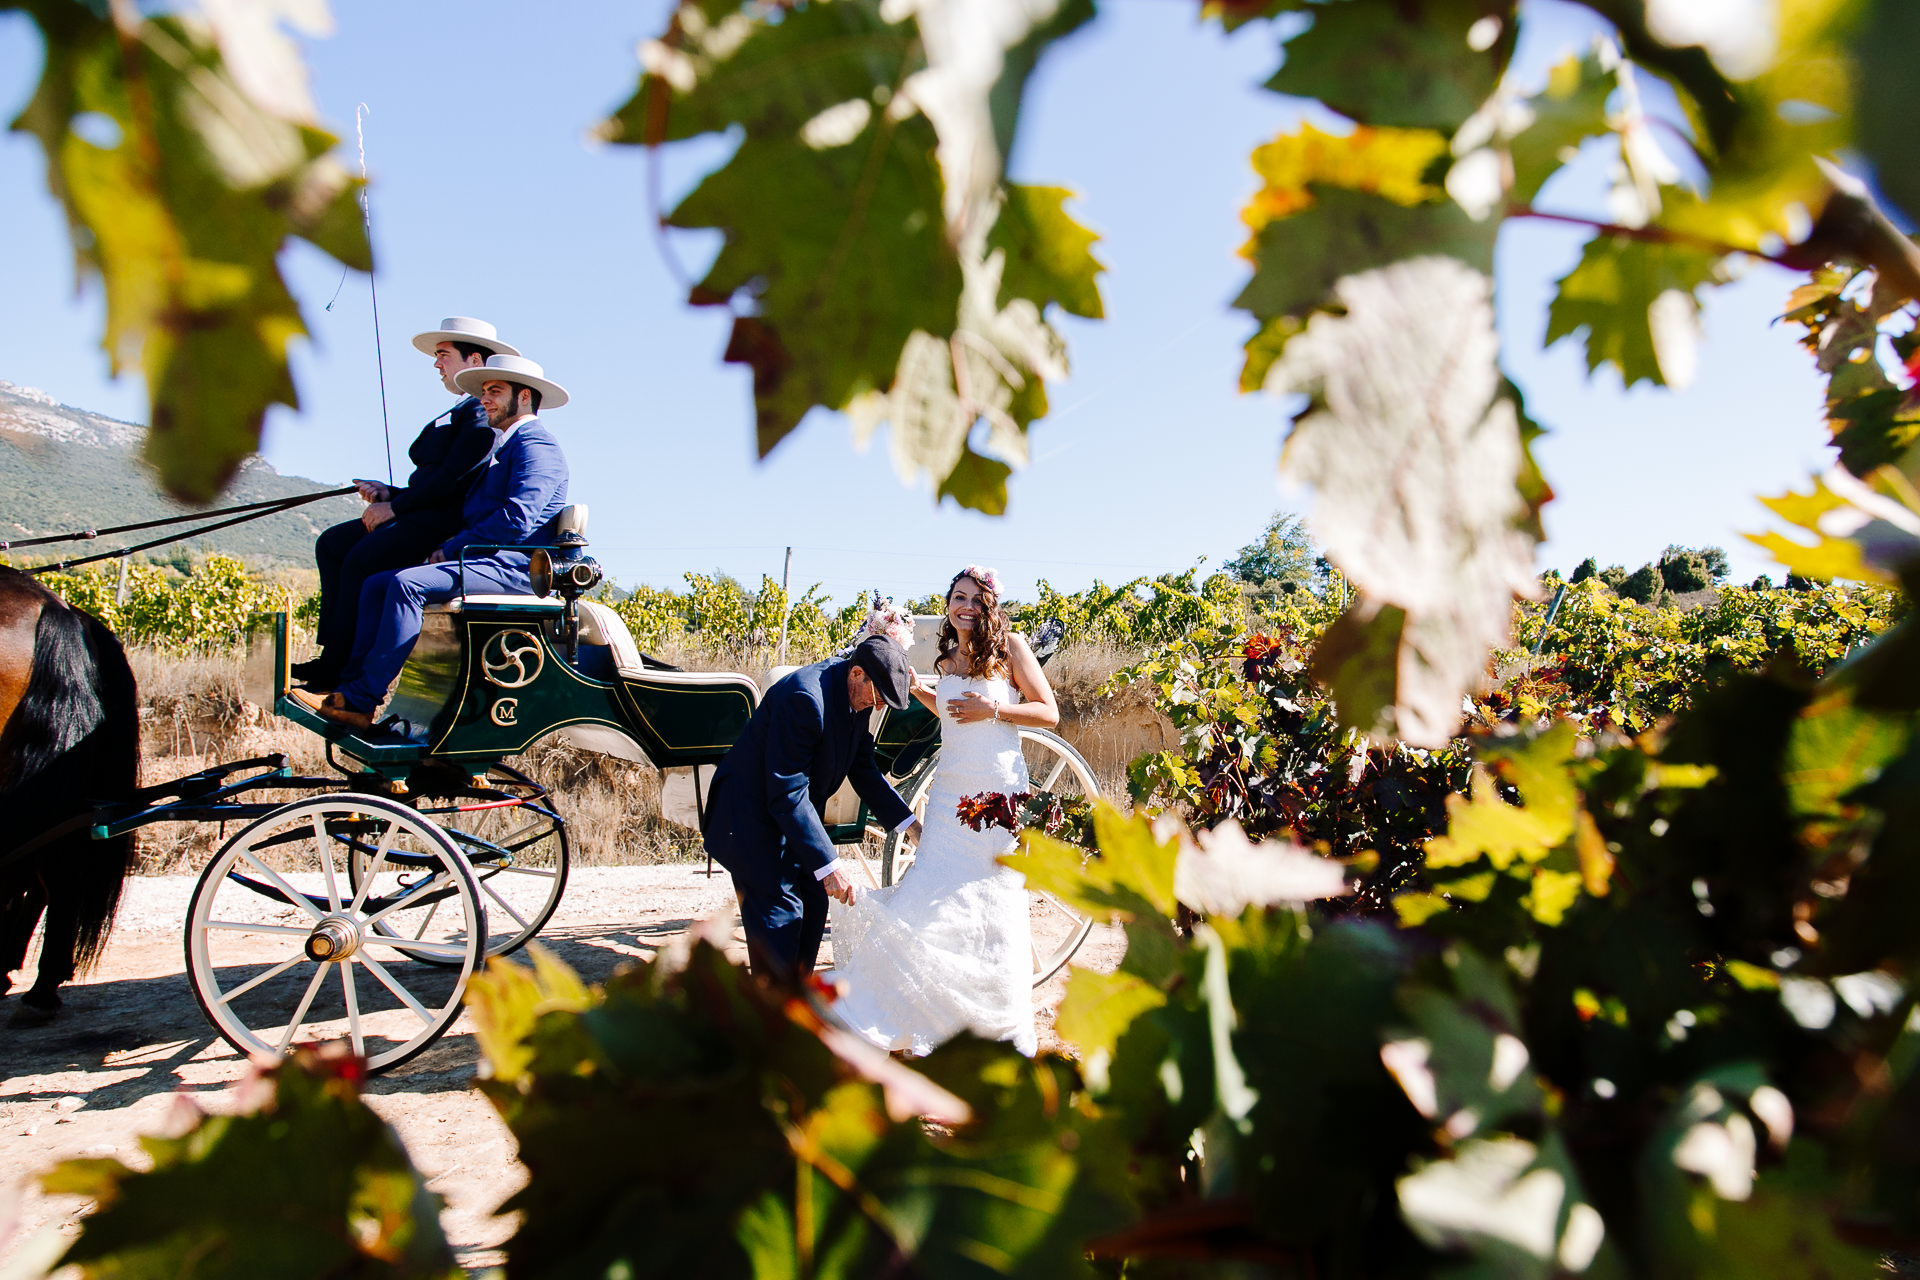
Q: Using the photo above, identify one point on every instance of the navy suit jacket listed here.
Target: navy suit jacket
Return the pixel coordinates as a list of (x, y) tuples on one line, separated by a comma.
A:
[(516, 498), (447, 456), (771, 791)]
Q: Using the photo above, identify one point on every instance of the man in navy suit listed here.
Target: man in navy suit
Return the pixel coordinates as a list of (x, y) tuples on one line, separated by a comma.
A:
[(402, 525), (765, 811), (514, 503)]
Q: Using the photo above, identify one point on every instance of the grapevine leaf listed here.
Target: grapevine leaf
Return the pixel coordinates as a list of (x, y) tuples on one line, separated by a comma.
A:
[(790, 1150), (1132, 877), (1099, 1007), (1405, 64), (306, 1181), (213, 163), (1331, 206), (1885, 46), (1832, 519), (1767, 131), (1638, 303), (884, 127), (1234, 14), (1416, 453), (854, 258), (1049, 256), (1571, 109), (1004, 356)]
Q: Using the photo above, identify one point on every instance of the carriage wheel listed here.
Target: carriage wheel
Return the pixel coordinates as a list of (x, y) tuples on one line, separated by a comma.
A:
[(519, 855), (285, 945), (1052, 765)]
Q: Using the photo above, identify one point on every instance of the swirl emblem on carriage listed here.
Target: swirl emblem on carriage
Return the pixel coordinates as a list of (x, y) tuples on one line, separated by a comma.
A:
[(512, 659)]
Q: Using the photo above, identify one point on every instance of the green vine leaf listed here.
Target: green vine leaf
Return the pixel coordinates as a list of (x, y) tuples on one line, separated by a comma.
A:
[(1638, 304), (1331, 206), (213, 165), (1048, 256), (305, 1181), (1408, 64), (865, 287), (1571, 109)]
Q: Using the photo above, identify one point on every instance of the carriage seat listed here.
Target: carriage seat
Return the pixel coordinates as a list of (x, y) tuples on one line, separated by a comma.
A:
[(572, 519), (602, 626)]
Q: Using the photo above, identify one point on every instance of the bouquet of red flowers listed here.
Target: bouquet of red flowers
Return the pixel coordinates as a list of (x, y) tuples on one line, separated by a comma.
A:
[(1068, 818)]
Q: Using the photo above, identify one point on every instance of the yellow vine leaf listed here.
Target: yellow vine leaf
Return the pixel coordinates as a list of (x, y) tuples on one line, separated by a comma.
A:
[(1391, 163)]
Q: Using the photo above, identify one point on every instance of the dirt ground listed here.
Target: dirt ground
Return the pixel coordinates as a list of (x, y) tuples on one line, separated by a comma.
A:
[(131, 1037)]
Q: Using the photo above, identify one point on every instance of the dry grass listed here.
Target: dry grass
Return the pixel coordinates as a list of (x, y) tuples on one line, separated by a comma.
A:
[(195, 714)]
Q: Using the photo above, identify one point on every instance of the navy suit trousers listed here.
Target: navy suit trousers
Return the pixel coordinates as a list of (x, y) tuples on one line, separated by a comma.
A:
[(348, 554)]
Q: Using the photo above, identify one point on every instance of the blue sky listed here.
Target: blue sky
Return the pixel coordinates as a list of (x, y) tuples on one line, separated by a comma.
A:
[(488, 200)]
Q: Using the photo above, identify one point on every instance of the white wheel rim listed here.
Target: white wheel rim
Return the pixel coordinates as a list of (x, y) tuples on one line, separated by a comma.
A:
[(411, 924)]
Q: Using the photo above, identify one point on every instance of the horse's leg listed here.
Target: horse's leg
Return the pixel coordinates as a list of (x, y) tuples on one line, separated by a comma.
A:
[(42, 1000), (20, 908)]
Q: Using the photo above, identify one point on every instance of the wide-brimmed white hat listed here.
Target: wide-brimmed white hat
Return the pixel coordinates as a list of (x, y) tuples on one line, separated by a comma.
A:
[(515, 368), (475, 333)]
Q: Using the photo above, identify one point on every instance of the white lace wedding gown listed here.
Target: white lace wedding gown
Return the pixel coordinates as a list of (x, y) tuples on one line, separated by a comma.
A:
[(947, 948)]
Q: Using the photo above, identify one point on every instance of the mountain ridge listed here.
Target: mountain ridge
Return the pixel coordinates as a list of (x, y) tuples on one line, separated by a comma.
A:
[(64, 469)]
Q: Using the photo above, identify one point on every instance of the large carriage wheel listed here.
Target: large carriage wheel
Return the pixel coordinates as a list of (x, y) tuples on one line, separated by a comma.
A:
[(518, 852), (286, 944), (1052, 765)]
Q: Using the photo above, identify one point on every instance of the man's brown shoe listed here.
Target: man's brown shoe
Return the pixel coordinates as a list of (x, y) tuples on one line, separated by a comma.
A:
[(333, 707)]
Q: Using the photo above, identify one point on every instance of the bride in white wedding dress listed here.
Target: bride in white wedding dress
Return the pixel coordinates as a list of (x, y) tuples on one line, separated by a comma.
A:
[(947, 949)]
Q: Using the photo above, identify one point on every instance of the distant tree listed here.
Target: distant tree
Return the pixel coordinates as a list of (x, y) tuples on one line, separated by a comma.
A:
[(1643, 584), (1761, 583), (1797, 583), (1585, 569), (1713, 564), (1683, 570), (1614, 576), (1285, 553)]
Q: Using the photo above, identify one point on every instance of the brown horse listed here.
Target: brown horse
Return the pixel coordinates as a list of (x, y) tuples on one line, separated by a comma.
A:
[(69, 740)]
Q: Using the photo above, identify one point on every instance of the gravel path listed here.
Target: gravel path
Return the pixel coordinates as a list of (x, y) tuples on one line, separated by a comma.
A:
[(131, 1037)]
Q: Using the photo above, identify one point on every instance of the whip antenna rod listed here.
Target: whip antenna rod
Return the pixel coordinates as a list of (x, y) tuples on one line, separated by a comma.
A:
[(373, 279)]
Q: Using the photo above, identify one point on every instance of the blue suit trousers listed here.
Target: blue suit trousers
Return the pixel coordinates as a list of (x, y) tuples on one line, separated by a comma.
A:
[(391, 606)]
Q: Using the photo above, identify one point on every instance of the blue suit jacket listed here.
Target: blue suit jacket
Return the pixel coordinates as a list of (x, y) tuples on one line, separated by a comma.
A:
[(516, 498), (769, 794)]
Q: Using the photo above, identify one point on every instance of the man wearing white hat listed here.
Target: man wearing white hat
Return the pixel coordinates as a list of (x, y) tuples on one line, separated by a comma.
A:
[(514, 503), (402, 525)]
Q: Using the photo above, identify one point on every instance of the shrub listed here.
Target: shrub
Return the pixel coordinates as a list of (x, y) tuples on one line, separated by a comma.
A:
[(1642, 585), (1585, 569)]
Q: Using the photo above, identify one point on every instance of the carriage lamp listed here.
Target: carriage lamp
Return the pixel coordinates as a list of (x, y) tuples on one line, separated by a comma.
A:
[(568, 569)]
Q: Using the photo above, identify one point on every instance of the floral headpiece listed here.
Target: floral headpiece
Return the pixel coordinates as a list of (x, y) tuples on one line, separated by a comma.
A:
[(887, 619), (988, 578)]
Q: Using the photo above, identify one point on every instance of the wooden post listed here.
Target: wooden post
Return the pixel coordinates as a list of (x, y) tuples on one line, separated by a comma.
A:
[(786, 607)]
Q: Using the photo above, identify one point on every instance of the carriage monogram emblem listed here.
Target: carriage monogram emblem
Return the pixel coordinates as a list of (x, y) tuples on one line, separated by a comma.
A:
[(512, 659), (505, 711)]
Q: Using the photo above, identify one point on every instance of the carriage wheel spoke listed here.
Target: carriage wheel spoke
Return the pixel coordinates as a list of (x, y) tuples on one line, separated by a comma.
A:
[(1059, 767), (523, 871), (386, 979), (300, 1014), (293, 895), (504, 904), (414, 946), (432, 911), (229, 997), (323, 847), (351, 990), (243, 926), (379, 861), (401, 903)]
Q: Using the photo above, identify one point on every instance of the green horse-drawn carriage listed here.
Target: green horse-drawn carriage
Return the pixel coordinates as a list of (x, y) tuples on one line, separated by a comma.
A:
[(359, 908)]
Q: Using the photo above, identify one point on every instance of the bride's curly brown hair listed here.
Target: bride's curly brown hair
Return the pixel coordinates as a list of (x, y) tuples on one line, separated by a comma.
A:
[(986, 651)]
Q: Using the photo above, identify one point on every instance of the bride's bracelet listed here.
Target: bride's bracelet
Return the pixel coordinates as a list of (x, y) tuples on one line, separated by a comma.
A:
[(996, 713)]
